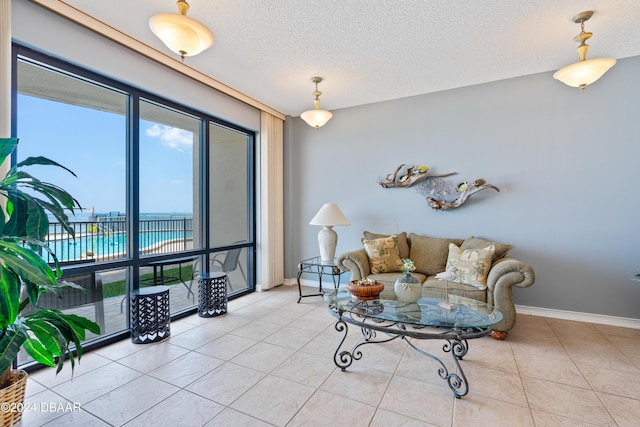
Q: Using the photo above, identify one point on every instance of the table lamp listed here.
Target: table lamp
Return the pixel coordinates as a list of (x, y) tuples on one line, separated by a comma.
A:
[(328, 216)]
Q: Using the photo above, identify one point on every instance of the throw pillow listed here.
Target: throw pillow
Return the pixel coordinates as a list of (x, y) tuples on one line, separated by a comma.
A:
[(383, 253), (473, 264), (478, 243), (429, 254), (403, 244)]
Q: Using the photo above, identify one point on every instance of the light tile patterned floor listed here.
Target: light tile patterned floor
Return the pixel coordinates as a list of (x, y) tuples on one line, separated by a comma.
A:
[(269, 362)]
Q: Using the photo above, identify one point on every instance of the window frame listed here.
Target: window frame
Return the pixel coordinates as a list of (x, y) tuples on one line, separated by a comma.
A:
[(133, 261)]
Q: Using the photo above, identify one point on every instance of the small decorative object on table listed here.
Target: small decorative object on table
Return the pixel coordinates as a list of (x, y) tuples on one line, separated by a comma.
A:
[(407, 287), (451, 275), (365, 289)]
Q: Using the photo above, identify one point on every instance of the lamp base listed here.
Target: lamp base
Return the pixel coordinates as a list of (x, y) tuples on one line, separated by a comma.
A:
[(327, 241)]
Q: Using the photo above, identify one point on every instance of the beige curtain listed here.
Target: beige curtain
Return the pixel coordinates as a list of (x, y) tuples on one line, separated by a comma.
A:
[(5, 77), (271, 205)]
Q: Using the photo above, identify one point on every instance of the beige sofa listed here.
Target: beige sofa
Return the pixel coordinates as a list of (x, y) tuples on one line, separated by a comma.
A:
[(431, 255)]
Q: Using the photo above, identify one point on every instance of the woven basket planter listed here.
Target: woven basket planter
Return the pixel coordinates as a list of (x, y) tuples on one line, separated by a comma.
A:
[(13, 395)]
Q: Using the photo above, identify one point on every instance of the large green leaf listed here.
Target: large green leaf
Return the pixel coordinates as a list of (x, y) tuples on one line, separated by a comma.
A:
[(9, 298), (38, 352), (16, 224), (46, 334), (26, 263), (11, 340), (7, 145), (37, 226), (42, 161)]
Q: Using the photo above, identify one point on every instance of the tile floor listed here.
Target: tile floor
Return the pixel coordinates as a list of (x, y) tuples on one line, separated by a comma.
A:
[(269, 362)]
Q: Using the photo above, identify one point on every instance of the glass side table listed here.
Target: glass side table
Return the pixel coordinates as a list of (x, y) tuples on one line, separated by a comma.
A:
[(321, 268)]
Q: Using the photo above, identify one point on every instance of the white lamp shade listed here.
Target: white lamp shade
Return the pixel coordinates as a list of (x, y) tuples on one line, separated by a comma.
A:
[(585, 72), (181, 34), (329, 214), (316, 118)]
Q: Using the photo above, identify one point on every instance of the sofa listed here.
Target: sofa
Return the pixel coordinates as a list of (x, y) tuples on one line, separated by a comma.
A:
[(483, 271)]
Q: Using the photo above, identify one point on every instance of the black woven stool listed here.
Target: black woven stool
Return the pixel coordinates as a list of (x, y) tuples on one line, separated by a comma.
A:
[(212, 294), (150, 314)]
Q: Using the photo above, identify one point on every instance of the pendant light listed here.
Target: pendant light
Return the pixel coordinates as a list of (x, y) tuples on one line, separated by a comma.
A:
[(183, 35), (585, 71), (316, 118)]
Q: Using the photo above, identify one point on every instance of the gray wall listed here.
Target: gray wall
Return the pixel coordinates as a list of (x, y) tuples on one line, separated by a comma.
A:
[(567, 165)]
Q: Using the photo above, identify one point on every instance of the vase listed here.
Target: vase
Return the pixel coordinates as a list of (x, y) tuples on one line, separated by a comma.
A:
[(407, 288)]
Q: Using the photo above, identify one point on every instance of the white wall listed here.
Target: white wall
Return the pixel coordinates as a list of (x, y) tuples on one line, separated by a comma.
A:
[(567, 165)]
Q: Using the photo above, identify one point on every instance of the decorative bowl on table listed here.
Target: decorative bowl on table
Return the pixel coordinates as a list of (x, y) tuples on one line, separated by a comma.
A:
[(365, 289)]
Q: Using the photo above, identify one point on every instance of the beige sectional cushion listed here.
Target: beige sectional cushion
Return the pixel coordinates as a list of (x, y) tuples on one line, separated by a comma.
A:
[(403, 244), (383, 253), (478, 243), (441, 288), (429, 254), (473, 264)]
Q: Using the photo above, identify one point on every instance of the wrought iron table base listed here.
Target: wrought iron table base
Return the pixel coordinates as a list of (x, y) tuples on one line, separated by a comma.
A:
[(456, 344)]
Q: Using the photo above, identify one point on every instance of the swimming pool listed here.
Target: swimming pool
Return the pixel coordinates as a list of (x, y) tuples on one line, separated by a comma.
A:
[(112, 245)]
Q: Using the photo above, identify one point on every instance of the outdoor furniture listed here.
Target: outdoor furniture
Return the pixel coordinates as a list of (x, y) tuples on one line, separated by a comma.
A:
[(230, 263), (226, 262), (69, 298), (150, 314), (212, 294), (161, 279)]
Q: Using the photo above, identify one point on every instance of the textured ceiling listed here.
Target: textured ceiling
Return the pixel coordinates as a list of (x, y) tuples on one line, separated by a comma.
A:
[(375, 50)]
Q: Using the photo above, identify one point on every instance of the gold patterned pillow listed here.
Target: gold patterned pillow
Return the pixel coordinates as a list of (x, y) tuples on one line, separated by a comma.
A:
[(383, 253), (473, 264)]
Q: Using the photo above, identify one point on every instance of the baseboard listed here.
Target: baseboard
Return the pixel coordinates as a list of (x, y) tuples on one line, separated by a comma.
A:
[(600, 319)]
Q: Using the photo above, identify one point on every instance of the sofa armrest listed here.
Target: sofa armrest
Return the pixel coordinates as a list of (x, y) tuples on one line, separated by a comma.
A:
[(505, 274), (357, 262)]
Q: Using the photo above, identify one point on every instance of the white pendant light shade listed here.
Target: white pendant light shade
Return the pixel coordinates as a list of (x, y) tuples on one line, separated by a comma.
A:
[(183, 35), (316, 118), (585, 72)]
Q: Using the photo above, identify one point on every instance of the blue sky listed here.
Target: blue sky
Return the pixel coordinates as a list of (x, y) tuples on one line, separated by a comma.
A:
[(92, 144)]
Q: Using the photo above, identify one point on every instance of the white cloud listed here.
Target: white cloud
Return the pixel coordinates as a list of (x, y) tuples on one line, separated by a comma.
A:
[(171, 137)]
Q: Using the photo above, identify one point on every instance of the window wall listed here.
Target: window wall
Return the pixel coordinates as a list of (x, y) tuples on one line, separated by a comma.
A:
[(166, 191)]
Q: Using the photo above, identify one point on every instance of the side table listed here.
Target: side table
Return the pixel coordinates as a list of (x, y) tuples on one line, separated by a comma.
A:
[(150, 314), (212, 294), (315, 265)]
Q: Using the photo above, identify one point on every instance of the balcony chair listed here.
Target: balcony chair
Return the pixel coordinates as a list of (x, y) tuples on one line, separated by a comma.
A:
[(230, 263)]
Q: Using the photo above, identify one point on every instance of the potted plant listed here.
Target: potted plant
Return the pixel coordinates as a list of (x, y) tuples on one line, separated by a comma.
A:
[(47, 335)]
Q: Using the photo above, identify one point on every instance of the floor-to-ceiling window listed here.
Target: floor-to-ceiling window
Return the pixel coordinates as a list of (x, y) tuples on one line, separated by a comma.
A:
[(167, 192), (230, 182)]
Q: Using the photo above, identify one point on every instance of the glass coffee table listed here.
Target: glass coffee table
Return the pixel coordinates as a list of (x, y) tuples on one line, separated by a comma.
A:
[(428, 318)]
